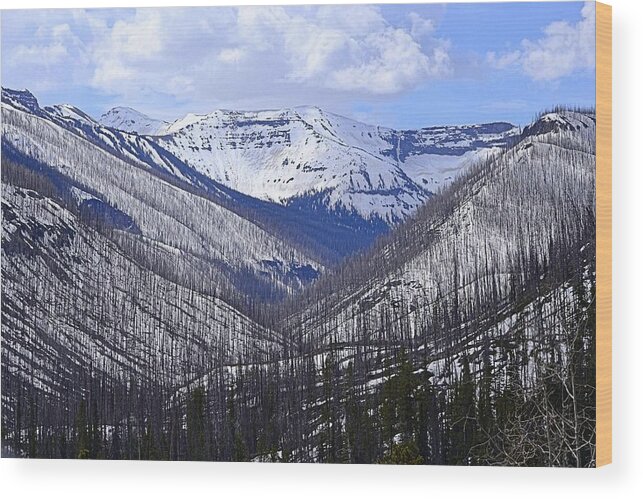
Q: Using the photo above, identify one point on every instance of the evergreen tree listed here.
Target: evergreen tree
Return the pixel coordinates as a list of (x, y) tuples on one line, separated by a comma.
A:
[(462, 417), (82, 438), (196, 425)]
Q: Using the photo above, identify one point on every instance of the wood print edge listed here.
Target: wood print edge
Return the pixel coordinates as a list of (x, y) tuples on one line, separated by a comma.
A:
[(603, 234)]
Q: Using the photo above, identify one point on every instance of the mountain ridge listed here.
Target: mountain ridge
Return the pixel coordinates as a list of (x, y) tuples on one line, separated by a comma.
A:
[(285, 156), (130, 120)]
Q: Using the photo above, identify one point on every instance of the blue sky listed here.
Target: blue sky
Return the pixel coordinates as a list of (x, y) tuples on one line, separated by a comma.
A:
[(403, 66)]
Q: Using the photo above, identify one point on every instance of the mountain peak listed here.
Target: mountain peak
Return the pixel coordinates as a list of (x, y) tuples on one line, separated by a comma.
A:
[(22, 99), (560, 119), (130, 120)]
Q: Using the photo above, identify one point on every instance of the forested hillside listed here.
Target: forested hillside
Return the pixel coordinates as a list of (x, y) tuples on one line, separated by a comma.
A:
[(151, 311)]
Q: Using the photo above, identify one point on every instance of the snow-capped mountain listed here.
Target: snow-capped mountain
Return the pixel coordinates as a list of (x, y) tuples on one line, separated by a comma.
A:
[(181, 228), (124, 259), (328, 235), (67, 111), (302, 157), (295, 153), (561, 121), (21, 99), (433, 157), (130, 120), (328, 183), (456, 237)]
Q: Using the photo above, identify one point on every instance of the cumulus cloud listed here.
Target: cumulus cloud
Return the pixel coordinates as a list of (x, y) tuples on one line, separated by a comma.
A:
[(348, 48), (420, 26), (50, 46), (565, 49), (394, 61), (234, 54), (44, 55), (121, 52)]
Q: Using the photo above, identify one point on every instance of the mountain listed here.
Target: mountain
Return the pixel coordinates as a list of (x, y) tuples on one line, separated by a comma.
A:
[(72, 113), (435, 156), (312, 159), (127, 321), (471, 327), (21, 99), (194, 237), (455, 246), (561, 120), (331, 184), (130, 120), (289, 156), (285, 155), (329, 236)]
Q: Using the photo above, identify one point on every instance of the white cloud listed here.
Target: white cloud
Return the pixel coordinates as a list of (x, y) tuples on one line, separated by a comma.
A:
[(505, 60), (420, 26), (231, 55), (51, 46), (565, 49), (119, 50), (396, 62), (44, 55), (349, 48)]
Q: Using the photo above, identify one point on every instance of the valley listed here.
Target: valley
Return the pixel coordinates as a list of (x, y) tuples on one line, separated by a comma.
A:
[(296, 286)]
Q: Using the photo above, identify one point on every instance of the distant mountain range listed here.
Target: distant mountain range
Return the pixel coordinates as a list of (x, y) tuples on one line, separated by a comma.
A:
[(305, 155)]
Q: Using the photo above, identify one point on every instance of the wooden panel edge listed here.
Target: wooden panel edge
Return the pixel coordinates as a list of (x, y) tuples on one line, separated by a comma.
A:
[(603, 234)]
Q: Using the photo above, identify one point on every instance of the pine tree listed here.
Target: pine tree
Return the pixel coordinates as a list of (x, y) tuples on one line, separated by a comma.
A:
[(196, 425), (462, 418), (82, 438)]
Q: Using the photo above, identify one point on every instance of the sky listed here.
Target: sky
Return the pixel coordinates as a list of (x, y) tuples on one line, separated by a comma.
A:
[(402, 66)]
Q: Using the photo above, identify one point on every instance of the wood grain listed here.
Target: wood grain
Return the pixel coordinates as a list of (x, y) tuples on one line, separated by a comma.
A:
[(603, 234)]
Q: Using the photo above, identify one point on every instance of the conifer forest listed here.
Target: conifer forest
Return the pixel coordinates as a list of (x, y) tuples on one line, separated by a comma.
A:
[(138, 325)]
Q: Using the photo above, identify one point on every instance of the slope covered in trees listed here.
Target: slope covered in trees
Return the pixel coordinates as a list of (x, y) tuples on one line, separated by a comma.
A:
[(195, 239), (465, 336)]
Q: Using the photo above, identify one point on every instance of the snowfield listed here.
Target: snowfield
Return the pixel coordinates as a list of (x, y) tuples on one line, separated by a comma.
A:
[(284, 154)]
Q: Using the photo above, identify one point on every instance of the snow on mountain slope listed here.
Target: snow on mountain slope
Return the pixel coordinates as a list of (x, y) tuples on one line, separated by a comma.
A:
[(294, 153), (325, 235), (281, 155), (433, 157), (235, 251), (67, 111), (74, 302), (129, 146), (21, 99), (549, 177), (130, 120), (557, 121), (302, 156), (522, 209)]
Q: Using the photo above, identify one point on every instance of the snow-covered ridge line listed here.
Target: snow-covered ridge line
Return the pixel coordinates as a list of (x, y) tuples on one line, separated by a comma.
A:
[(163, 212), (279, 155), (130, 120), (460, 234), (289, 155)]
